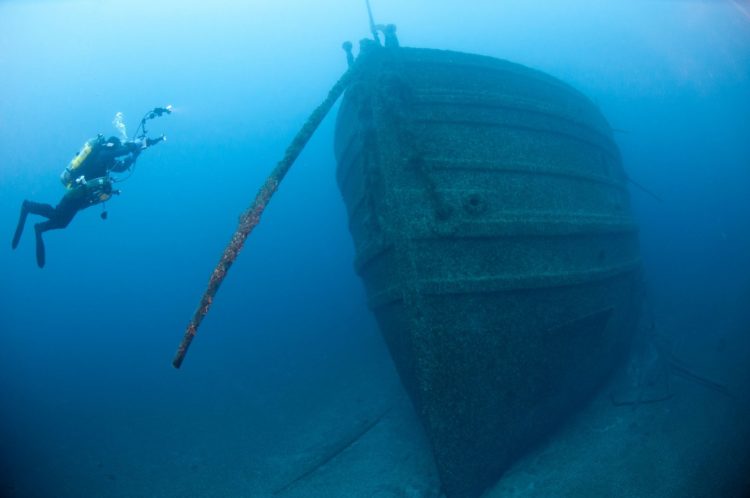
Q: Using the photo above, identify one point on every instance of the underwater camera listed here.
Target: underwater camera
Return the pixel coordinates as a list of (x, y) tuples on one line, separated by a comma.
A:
[(157, 112)]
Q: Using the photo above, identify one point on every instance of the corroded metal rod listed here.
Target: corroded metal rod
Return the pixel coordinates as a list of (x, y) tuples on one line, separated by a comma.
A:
[(251, 217)]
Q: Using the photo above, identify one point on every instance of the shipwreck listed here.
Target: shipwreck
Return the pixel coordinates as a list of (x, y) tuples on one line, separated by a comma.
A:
[(491, 220)]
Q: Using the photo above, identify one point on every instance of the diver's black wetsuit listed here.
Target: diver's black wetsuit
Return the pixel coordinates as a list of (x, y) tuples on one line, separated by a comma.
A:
[(93, 187), (61, 215)]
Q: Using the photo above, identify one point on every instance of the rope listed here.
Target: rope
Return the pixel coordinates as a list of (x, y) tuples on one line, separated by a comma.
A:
[(251, 217)]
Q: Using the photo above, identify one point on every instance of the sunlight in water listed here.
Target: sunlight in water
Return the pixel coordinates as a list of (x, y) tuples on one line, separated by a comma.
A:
[(743, 10)]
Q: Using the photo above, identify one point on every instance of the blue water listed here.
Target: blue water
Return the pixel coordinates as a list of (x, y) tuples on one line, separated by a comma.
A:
[(89, 403)]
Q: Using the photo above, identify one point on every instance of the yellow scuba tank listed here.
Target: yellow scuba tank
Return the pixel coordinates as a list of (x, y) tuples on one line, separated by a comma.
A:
[(68, 175)]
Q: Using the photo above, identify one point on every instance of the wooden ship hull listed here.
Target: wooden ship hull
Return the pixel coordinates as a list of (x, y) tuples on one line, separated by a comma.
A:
[(491, 221)]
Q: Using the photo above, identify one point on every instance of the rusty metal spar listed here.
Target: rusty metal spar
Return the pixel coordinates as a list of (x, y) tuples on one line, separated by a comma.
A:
[(251, 217)]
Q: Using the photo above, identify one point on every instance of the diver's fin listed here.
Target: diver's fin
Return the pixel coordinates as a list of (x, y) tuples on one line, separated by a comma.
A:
[(40, 257), (21, 224)]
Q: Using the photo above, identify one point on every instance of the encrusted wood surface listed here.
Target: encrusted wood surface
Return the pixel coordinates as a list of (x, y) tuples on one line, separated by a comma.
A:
[(491, 220)]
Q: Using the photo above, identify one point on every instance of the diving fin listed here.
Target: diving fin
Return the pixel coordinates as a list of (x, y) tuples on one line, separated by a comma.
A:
[(40, 256), (21, 224)]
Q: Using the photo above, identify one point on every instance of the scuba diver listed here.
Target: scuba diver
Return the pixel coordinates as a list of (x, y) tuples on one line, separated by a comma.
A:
[(88, 179)]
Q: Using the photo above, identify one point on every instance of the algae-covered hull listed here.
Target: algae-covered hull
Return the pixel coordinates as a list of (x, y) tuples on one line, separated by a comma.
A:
[(493, 233)]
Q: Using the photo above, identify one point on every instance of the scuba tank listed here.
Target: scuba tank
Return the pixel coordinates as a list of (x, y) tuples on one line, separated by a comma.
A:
[(94, 191), (100, 190), (68, 176)]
